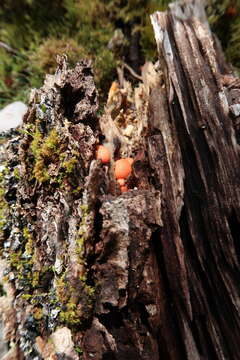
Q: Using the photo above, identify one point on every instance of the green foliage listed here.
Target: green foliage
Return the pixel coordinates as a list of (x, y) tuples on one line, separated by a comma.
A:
[(224, 19), (14, 77), (233, 47), (44, 59), (147, 36), (39, 30)]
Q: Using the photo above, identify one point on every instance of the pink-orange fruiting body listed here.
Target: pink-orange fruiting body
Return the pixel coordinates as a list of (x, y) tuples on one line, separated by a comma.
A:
[(130, 160), (122, 169), (123, 189), (103, 154)]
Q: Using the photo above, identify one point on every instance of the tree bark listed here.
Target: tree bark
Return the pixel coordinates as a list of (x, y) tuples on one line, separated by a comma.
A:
[(153, 273)]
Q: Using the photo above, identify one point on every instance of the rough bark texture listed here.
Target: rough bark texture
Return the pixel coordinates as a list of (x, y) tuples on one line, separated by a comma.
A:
[(153, 273)]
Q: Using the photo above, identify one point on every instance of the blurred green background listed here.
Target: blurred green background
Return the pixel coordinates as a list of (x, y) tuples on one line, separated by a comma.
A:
[(107, 31)]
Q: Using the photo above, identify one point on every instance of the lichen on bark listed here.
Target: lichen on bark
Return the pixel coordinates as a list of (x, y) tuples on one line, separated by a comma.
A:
[(47, 212)]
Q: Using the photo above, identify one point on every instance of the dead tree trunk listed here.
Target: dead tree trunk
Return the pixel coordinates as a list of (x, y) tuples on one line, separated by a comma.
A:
[(149, 274)]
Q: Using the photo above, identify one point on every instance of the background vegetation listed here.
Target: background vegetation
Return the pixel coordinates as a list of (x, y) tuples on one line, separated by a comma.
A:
[(107, 31)]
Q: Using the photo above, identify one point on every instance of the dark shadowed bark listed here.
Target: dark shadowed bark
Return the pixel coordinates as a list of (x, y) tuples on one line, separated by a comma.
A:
[(149, 274)]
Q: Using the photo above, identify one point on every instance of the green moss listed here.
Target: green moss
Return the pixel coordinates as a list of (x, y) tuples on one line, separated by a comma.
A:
[(21, 268), (224, 20), (29, 241), (16, 173), (85, 209), (15, 260), (36, 142), (44, 151), (69, 311), (50, 145), (3, 205), (21, 262), (69, 165), (44, 59), (90, 290), (81, 236), (76, 301), (233, 45), (40, 171), (86, 27), (80, 246), (52, 151), (26, 296), (35, 279), (77, 190), (70, 316), (61, 289), (73, 313), (38, 313)]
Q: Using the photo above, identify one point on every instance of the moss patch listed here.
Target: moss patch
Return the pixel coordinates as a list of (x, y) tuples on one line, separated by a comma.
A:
[(3, 205), (44, 151), (76, 301)]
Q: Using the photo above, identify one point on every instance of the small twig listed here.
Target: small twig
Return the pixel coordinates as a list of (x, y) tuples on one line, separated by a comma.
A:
[(132, 72), (9, 49), (120, 76)]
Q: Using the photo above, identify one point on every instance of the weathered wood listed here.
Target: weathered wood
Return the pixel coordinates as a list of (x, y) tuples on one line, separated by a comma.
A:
[(198, 104), (149, 274)]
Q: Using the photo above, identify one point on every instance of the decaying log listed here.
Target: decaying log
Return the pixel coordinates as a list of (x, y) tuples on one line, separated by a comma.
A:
[(199, 106), (152, 273)]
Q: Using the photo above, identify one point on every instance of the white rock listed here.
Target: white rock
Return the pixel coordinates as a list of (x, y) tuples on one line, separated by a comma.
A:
[(62, 341), (12, 115)]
